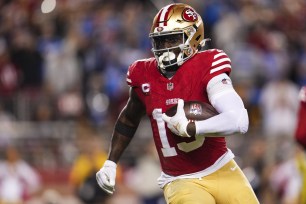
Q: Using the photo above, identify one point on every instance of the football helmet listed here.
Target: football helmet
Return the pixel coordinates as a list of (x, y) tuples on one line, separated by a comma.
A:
[(177, 34)]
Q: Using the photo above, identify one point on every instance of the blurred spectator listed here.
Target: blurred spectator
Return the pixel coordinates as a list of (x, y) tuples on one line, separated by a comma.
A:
[(83, 171), (9, 76), (62, 71), (286, 181), (53, 196), (278, 108), (27, 59), (18, 180), (142, 178)]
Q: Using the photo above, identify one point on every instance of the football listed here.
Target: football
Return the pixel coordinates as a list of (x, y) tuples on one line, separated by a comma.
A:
[(195, 110)]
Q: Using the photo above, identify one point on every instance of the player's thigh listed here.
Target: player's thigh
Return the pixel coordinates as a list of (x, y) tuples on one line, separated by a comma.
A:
[(235, 188), (185, 191)]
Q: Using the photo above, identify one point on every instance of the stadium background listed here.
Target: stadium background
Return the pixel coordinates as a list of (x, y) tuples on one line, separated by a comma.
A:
[(62, 85)]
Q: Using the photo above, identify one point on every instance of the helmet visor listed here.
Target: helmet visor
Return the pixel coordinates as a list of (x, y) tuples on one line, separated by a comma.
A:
[(165, 41)]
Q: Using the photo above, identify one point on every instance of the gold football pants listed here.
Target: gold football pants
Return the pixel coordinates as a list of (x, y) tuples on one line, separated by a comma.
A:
[(228, 185)]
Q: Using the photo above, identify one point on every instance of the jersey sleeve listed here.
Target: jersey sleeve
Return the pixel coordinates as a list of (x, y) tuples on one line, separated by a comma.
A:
[(219, 63), (134, 74)]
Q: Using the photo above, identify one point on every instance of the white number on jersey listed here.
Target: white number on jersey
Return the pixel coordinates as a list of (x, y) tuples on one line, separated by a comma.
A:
[(183, 146)]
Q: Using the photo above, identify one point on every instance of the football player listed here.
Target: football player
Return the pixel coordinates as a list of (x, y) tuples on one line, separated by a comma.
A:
[(300, 133), (300, 136), (197, 167)]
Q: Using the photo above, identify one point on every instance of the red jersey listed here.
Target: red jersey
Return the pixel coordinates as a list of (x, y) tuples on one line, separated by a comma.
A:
[(179, 155), (300, 133)]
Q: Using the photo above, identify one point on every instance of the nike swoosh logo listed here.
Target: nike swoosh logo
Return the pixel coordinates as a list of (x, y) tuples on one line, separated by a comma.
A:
[(234, 168)]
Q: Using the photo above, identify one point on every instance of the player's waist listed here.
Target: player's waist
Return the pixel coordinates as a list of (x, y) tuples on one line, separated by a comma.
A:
[(224, 159)]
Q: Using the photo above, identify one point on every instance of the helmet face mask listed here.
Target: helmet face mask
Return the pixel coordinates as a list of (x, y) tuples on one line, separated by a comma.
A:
[(167, 49), (177, 34)]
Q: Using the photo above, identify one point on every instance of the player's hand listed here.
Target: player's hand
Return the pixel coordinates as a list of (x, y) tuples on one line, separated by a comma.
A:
[(106, 176), (178, 123)]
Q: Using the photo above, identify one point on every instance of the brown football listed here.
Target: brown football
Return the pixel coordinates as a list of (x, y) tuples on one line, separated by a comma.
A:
[(195, 110)]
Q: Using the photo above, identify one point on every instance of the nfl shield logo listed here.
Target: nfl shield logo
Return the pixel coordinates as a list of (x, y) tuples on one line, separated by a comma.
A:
[(170, 86)]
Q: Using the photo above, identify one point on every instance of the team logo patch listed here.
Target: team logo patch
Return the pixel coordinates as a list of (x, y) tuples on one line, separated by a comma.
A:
[(195, 109), (189, 15), (145, 88), (224, 81), (170, 86), (159, 29)]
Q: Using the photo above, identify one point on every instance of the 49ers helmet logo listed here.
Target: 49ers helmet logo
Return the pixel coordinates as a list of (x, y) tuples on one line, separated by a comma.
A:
[(189, 15)]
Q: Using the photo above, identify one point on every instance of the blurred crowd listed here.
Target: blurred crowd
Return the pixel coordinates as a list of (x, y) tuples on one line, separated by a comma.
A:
[(62, 83)]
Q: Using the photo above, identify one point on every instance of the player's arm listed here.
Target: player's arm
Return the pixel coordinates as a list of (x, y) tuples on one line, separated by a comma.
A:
[(232, 117), (125, 128)]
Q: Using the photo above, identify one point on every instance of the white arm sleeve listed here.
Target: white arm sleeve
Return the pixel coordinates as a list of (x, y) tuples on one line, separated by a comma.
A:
[(232, 117)]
